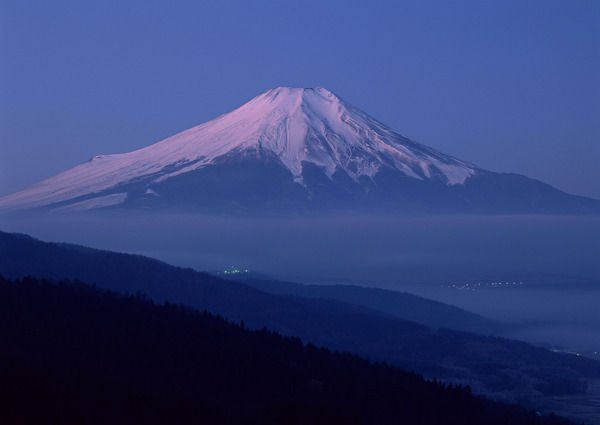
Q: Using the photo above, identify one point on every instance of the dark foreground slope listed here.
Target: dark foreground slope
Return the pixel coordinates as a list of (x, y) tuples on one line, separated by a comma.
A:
[(75, 354), (503, 368)]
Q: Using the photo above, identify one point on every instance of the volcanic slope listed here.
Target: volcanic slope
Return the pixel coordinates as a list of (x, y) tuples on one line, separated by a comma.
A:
[(290, 150)]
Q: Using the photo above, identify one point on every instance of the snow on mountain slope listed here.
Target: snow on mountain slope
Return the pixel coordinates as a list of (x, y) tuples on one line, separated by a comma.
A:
[(296, 125)]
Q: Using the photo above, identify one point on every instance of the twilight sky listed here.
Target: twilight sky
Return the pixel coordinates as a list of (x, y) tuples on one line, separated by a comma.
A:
[(512, 86)]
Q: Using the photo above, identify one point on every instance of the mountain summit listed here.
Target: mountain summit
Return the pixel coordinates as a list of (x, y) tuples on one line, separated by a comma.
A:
[(299, 125), (289, 149)]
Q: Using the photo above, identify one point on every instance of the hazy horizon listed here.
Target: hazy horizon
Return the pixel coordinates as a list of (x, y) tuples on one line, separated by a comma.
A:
[(555, 257)]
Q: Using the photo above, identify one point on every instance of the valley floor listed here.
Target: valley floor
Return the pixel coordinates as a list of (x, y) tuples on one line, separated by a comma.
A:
[(581, 406)]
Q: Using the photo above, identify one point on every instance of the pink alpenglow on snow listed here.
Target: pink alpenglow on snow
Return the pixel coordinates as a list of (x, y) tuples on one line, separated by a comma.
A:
[(292, 150), (295, 124)]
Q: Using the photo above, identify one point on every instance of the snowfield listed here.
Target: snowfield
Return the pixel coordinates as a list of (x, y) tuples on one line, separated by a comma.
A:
[(296, 125)]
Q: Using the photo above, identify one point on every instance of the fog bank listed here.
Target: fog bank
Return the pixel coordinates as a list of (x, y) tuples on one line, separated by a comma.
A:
[(431, 256)]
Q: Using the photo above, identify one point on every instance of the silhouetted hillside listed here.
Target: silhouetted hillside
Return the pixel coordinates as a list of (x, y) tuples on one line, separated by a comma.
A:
[(74, 354), (494, 366), (401, 304)]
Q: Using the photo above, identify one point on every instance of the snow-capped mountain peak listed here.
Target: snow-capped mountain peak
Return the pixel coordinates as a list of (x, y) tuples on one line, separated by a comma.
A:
[(312, 125), (296, 126)]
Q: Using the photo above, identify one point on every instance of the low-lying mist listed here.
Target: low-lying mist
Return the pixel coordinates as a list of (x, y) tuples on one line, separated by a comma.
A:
[(555, 258)]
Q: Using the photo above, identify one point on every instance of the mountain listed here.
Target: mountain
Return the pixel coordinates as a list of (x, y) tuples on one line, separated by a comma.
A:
[(407, 306), (292, 150), (508, 370), (73, 354)]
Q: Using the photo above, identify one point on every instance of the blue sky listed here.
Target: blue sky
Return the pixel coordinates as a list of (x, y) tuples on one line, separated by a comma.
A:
[(512, 86)]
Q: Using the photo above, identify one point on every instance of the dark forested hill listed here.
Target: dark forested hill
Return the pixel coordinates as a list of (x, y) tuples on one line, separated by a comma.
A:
[(401, 304), (73, 354), (494, 366)]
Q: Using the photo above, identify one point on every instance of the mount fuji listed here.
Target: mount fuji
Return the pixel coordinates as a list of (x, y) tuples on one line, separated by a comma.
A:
[(292, 150)]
